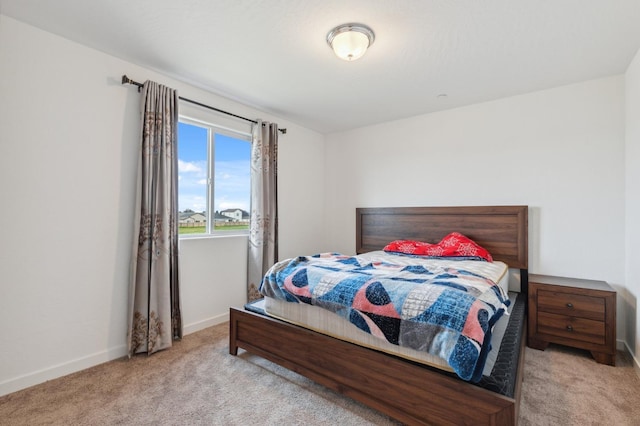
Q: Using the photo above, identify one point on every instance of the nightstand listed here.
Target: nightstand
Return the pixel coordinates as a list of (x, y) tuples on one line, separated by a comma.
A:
[(573, 312)]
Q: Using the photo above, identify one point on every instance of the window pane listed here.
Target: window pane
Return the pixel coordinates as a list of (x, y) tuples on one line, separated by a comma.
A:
[(192, 178), (232, 183)]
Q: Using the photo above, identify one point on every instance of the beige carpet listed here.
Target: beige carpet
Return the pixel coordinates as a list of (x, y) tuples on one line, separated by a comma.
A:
[(198, 383)]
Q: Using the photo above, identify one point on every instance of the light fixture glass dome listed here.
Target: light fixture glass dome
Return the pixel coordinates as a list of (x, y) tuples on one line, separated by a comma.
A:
[(350, 41)]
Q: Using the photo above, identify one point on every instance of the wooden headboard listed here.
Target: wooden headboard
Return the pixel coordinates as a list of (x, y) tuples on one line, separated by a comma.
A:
[(502, 230)]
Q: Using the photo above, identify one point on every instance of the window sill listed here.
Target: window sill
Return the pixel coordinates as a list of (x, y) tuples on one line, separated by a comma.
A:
[(212, 236)]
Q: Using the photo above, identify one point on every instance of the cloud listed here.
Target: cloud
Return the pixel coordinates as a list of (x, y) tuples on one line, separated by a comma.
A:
[(232, 184), (192, 175), (189, 167), (194, 202)]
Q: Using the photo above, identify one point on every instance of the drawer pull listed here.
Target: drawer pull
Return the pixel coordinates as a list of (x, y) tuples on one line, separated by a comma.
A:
[(570, 305), (569, 328)]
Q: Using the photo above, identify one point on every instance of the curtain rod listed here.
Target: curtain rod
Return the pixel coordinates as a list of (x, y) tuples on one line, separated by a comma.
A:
[(127, 80)]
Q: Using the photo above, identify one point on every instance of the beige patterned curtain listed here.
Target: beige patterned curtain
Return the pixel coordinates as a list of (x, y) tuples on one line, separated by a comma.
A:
[(263, 234), (154, 302)]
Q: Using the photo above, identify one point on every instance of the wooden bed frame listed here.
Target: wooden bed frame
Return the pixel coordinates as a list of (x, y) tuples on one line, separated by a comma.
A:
[(406, 391)]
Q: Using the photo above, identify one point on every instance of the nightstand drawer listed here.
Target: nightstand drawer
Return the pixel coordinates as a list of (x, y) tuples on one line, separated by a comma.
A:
[(569, 327), (575, 305)]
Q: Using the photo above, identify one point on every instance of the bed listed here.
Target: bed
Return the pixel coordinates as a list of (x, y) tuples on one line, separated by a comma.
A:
[(403, 389)]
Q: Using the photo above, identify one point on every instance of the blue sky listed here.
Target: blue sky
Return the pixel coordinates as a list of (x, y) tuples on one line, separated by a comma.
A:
[(232, 176)]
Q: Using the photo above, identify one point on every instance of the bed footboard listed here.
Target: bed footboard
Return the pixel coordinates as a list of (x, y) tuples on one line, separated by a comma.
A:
[(408, 392)]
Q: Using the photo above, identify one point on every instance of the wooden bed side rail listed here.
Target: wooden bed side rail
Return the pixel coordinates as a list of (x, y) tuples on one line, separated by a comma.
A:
[(408, 392)]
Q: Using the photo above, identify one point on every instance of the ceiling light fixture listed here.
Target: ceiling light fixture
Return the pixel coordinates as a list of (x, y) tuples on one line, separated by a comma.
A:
[(350, 41)]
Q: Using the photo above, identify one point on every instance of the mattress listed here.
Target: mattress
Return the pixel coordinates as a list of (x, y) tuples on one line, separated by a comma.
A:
[(326, 322), (329, 323)]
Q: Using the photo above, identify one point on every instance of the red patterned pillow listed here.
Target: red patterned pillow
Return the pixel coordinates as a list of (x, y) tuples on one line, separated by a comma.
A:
[(453, 245)]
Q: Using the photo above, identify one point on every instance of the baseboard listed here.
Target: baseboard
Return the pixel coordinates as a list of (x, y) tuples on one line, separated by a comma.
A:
[(636, 362), (41, 376), (209, 322), (621, 345)]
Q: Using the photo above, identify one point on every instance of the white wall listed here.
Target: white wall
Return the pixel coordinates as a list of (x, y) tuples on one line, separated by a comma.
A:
[(560, 151), (68, 157), (632, 168)]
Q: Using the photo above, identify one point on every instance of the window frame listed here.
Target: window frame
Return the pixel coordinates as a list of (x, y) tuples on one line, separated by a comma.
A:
[(212, 129)]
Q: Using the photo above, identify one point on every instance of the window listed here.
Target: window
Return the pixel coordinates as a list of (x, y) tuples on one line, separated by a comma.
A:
[(214, 179)]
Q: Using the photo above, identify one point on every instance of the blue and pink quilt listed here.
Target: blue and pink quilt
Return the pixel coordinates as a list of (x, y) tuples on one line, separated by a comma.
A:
[(447, 312)]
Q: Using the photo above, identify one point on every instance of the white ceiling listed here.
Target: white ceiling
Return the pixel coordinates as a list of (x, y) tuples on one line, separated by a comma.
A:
[(272, 54)]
